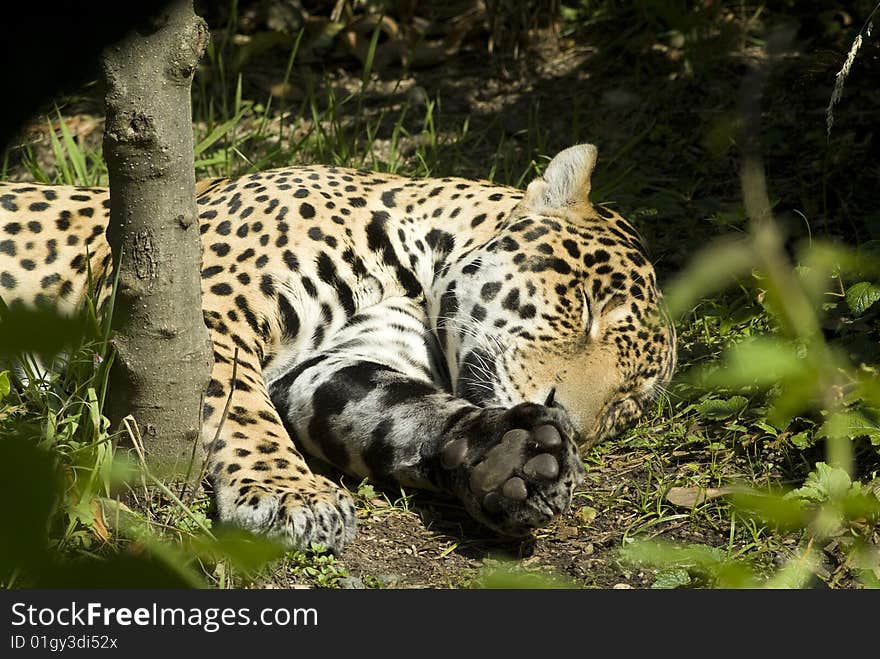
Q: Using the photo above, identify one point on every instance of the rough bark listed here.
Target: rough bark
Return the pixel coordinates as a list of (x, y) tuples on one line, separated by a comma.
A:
[(163, 351)]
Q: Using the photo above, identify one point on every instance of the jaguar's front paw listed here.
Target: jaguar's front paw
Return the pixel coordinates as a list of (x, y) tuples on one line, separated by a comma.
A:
[(514, 471)]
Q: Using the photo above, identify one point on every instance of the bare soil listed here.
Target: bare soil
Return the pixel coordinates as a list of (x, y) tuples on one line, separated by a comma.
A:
[(436, 546)]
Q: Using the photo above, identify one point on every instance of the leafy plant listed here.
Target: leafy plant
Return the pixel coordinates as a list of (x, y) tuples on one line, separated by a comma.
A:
[(316, 566), (61, 464), (803, 375)]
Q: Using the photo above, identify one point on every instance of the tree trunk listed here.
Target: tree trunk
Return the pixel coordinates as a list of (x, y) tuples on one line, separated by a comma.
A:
[(163, 351)]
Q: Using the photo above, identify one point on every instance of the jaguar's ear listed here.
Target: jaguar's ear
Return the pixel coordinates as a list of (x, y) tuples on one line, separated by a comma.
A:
[(566, 181)]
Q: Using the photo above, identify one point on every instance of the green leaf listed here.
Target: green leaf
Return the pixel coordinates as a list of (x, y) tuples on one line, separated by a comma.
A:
[(670, 579), (655, 552), (860, 296), (43, 331), (782, 511), (246, 551), (759, 361), (371, 55), (766, 427), (5, 387), (851, 423), (505, 577), (822, 261), (77, 159), (366, 490), (793, 398), (67, 176), (796, 573), (696, 559), (717, 409), (220, 130), (822, 484), (712, 269), (802, 440)]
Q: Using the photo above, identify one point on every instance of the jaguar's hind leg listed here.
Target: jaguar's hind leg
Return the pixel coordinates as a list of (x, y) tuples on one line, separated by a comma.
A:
[(260, 479)]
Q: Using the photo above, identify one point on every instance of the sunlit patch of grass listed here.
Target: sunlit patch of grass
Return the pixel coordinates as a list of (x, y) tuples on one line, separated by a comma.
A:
[(51, 418), (371, 501)]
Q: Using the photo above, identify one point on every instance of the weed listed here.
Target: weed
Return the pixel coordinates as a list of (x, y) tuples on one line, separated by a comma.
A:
[(317, 567)]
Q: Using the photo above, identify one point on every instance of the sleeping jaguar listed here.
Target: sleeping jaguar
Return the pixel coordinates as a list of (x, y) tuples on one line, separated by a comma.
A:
[(438, 333)]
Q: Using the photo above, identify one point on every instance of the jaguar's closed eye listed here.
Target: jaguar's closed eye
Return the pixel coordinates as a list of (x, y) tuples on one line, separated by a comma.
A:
[(614, 302), (588, 319)]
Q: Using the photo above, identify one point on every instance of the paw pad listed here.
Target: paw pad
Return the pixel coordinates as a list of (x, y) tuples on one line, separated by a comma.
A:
[(453, 453), (542, 466), (547, 436), (519, 478), (515, 489)]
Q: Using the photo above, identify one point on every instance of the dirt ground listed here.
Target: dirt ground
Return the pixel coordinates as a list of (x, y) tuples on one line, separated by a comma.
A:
[(436, 545)]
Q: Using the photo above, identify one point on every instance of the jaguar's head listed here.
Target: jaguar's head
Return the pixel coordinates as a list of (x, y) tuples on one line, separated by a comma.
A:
[(564, 310)]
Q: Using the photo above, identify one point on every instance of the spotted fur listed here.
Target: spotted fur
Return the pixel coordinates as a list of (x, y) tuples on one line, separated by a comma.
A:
[(438, 333)]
